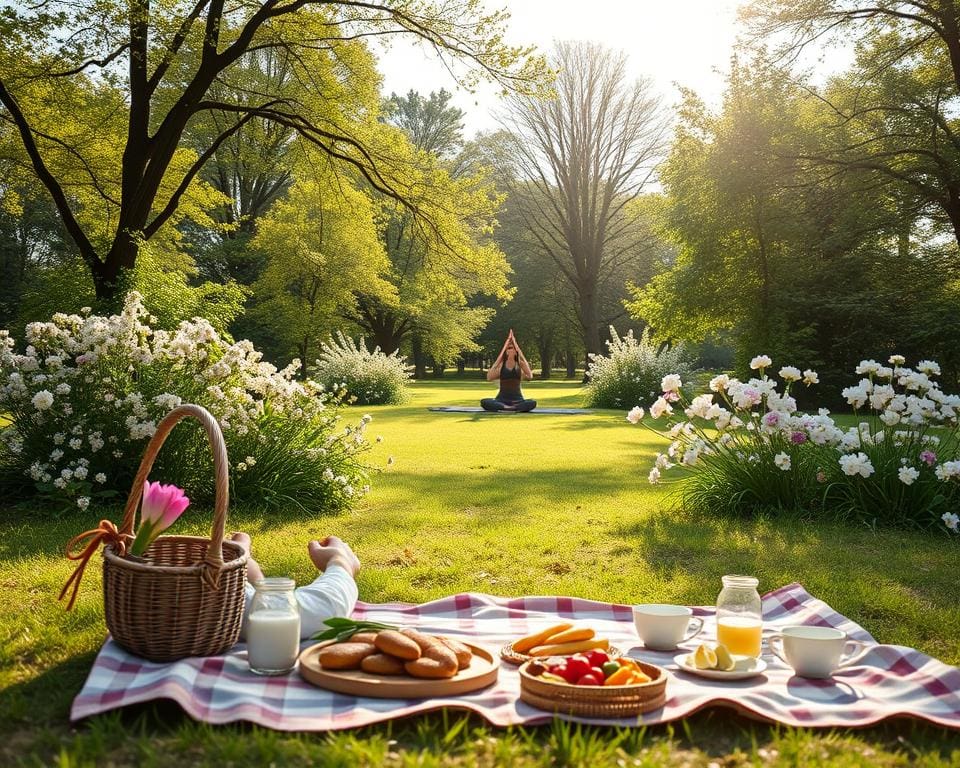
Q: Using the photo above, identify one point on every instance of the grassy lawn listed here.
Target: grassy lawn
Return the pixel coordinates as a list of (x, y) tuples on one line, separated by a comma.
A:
[(508, 505)]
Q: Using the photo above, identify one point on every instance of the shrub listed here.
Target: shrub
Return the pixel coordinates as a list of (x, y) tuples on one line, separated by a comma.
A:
[(744, 447), (632, 371), (373, 378), (87, 392)]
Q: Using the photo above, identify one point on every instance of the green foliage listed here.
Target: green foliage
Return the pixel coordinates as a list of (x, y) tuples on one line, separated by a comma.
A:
[(88, 393), (367, 377), (322, 248), (784, 256), (631, 372), (441, 262), (67, 288)]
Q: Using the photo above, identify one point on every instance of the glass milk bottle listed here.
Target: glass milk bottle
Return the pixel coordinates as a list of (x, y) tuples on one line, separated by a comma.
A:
[(273, 627), (739, 615)]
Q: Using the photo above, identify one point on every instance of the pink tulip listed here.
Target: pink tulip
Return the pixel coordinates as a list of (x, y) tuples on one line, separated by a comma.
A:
[(160, 506)]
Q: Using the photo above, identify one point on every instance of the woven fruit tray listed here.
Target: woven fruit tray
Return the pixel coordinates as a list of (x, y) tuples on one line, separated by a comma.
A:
[(596, 700)]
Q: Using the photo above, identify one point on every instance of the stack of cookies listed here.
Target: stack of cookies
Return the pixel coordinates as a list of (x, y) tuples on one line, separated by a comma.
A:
[(398, 652)]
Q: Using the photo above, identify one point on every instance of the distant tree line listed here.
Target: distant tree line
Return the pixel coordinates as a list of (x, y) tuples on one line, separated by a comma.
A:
[(242, 164)]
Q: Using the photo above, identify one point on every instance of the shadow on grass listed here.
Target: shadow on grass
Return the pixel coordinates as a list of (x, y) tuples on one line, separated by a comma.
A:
[(491, 489), (45, 697), (884, 581), (160, 733)]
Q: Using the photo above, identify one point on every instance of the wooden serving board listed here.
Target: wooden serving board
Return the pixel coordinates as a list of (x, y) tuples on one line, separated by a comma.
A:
[(481, 673)]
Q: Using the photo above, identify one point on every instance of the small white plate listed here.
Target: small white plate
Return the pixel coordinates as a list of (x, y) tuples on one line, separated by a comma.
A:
[(746, 666)]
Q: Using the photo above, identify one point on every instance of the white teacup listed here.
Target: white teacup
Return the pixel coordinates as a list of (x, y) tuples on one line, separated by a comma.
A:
[(815, 651), (664, 627)]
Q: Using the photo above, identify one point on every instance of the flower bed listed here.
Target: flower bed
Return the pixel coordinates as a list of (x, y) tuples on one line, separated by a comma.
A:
[(87, 392), (744, 447)]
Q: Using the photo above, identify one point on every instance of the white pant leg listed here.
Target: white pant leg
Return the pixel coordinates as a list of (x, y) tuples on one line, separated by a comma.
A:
[(332, 593)]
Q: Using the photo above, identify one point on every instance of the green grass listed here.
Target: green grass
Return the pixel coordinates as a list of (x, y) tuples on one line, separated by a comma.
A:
[(508, 505)]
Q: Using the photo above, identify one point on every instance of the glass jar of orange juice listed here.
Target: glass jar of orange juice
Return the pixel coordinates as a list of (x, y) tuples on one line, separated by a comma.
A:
[(739, 615)]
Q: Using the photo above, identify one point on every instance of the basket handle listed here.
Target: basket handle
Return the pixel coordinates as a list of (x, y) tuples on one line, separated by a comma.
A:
[(214, 558)]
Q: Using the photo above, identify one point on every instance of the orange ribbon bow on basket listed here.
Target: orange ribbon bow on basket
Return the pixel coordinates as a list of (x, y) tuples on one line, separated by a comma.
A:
[(106, 534)]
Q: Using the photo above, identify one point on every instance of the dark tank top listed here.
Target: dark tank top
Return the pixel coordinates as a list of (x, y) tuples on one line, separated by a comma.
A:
[(509, 385)]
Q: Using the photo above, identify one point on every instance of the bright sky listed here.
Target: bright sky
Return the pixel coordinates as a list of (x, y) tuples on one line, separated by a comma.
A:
[(675, 42)]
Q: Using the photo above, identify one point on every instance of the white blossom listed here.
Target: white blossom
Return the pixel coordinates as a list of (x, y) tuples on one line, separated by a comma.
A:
[(856, 464), (907, 475), (782, 460), (634, 416), (671, 383), (760, 362), (659, 408), (42, 400)]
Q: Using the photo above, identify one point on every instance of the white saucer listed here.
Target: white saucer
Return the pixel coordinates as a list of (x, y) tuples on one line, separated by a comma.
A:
[(746, 666)]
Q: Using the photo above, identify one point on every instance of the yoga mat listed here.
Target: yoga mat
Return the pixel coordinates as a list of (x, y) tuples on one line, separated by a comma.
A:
[(477, 409)]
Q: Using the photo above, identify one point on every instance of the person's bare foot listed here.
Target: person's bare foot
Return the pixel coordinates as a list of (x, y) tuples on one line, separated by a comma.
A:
[(333, 551), (254, 571)]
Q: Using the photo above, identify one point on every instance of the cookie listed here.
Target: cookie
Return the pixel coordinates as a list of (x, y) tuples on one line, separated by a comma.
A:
[(382, 664), (345, 655), (398, 644), (464, 655), (436, 661)]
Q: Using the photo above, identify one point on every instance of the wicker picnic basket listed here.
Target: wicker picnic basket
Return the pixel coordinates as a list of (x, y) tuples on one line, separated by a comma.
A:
[(185, 597), (596, 700)]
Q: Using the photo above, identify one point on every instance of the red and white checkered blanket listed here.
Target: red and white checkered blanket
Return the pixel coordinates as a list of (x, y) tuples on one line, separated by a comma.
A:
[(888, 681)]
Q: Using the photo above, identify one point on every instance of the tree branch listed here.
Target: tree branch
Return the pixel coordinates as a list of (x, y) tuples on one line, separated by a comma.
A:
[(87, 251)]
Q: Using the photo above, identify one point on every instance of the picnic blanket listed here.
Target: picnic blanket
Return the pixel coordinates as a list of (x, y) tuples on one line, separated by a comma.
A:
[(888, 681), (477, 409)]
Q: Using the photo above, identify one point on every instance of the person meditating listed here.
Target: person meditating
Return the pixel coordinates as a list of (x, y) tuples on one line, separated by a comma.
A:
[(510, 368)]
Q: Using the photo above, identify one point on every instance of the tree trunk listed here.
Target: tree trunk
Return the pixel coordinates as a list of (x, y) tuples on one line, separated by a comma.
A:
[(419, 359), (438, 369), (590, 319), (461, 366), (302, 349), (545, 348), (952, 208), (571, 362), (109, 275)]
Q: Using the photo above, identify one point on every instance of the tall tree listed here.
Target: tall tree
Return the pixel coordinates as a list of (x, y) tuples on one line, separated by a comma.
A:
[(806, 266), (582, 156), (895, 111), (435, 269), (136, 45), (432, 124), (323, 247)]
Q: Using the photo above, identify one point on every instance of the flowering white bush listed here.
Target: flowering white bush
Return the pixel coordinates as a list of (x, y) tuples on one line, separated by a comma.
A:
[(87, 392), (744, 446), (373, 378), (631, 372)]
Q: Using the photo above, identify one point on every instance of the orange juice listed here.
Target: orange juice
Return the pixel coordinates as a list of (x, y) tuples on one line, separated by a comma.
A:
[(741, 635)]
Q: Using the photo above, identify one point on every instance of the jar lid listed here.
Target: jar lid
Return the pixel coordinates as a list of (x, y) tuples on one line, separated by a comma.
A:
[(274, 584), (732, 580)]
